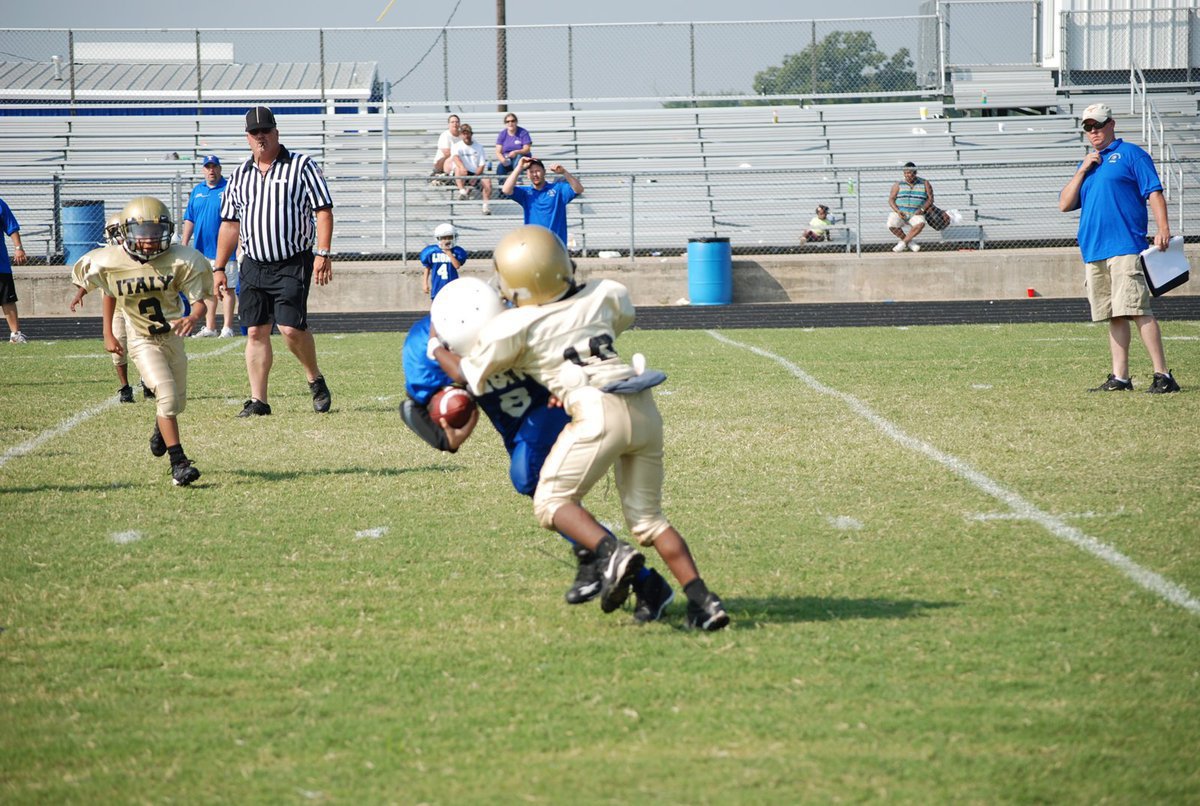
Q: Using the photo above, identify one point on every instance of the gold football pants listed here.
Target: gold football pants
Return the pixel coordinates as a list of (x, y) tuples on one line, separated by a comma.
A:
[(162, 363)]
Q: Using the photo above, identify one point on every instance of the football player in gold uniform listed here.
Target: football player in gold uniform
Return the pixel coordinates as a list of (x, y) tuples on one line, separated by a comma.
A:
[(143, 277), (112, 236), (562, 334)]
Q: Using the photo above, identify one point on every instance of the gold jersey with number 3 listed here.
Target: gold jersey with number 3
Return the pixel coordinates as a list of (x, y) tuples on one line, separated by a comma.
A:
[(147, 293)]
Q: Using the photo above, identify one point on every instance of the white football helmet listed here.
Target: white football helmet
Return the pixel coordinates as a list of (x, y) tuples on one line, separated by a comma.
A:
[(461, 309), (446, 231), (112, 231), (534, 266), (146, 227)]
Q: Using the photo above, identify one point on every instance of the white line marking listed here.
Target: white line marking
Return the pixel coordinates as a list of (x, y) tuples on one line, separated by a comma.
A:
[(374, 533), (1155, 583), (79, 417), (844, 523), (124, 538)]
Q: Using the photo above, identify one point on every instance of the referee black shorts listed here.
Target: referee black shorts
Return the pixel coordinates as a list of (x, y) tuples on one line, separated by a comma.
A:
[(8, 289), (275, 291)]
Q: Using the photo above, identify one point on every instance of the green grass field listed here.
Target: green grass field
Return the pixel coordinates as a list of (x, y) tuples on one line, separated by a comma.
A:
[(955, 577)]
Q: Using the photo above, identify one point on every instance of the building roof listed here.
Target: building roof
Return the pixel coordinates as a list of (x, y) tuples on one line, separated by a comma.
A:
[(165, 81)]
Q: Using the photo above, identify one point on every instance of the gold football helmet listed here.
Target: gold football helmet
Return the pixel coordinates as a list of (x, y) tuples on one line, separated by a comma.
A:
[(146, 227), (112, 231), (533, 266)]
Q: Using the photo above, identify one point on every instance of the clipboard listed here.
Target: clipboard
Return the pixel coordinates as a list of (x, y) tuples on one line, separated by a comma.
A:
[(1165, 270)]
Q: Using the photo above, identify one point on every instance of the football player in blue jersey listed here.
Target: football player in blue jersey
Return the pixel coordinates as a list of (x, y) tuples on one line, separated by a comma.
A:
[(442, 259), (518, 408)]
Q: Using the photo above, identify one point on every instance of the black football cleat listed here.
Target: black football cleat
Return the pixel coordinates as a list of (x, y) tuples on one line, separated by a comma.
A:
[(184, 473), (652, 596), (1114, 384), (619, 570), (158, 446), (147, 392), (1163, 384), (125, 394), (587, 583), (709, 616)]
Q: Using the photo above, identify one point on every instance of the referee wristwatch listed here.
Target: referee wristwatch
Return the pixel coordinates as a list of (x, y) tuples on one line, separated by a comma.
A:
[(322, 252)]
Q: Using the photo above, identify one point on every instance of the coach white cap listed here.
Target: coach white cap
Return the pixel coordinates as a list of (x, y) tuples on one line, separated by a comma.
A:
[(1097, 113)]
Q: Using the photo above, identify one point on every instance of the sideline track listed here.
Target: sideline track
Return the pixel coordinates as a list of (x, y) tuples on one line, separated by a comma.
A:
[(1020, 508), (729, 317)]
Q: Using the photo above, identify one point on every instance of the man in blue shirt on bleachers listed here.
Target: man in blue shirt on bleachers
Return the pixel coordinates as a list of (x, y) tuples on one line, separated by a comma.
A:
[(202, 221), (544, 204)]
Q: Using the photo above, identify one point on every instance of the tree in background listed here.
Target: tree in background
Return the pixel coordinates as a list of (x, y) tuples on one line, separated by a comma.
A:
[(846, 62)]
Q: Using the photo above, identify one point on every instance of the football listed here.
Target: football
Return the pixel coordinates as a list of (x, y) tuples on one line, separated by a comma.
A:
[(453, 405)]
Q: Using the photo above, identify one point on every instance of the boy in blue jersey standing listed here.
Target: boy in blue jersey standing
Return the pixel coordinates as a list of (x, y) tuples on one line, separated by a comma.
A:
[(442, 259), (518, 408), (1110, 189)]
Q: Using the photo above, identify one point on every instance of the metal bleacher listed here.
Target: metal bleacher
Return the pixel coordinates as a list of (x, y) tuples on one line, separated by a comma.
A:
[(665, 175)]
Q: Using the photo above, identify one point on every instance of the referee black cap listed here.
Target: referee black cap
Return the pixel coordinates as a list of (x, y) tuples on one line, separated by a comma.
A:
[(260, 117)]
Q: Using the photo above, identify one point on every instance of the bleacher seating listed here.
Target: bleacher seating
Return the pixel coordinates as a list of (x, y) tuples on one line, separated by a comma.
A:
[(750, 173)]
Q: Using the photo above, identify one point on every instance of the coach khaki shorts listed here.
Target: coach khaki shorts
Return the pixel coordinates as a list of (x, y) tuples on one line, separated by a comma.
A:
[(1117, 287), (162, 363), (623, 432), (894, 220)]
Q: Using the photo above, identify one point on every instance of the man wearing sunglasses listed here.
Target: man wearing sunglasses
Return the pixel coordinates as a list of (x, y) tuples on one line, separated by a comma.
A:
[(1110, 188)]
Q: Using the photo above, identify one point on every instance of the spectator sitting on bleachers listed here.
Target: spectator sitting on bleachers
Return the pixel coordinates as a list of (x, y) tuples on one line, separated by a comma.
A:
[(468, 161), (512, 143), (445, 144), (818, 227), (910, 199)]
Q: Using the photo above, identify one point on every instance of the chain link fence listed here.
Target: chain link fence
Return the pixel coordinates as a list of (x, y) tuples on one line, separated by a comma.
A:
[(648, 214)]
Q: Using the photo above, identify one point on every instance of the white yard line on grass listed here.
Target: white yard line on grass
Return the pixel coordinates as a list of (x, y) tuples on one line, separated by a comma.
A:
[(1155, 583), (81, 417)]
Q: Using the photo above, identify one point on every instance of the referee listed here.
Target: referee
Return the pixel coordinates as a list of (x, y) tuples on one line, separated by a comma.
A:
[(268, 214)]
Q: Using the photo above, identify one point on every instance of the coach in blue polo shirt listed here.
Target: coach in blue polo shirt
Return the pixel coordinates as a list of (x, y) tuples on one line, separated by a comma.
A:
[(202, 221), (544, 204), (1111, 188)]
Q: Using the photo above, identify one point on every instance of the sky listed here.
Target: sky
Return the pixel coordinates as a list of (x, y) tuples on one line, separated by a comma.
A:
[(406, 13)]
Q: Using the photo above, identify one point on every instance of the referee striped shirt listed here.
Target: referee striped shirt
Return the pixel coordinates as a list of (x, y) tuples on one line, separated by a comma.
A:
[(275, 210)]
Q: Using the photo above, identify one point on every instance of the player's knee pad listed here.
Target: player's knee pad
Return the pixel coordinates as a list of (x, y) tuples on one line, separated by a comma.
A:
[(647, 530), (168, 403)]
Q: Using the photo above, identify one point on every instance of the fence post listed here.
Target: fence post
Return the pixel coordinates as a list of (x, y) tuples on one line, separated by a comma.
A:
[(199, 77), (858, 212), (57, 220), (446, 68), (812, 82), (383, 148), (1064, 50), (1037, 34), (71, 59), (692, 59), (321, 42), (571, 67), (404, 220), (632, 238)]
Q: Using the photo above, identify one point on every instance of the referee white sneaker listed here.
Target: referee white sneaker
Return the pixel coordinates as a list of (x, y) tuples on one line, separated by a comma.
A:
[(17, 338), (205, 333), (226, 333)]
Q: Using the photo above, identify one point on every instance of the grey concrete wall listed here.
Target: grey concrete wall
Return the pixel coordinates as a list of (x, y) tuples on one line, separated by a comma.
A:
[(833, 277)]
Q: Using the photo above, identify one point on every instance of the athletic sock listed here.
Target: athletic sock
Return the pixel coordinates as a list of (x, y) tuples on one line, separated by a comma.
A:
[(696, 591), (176, 453)]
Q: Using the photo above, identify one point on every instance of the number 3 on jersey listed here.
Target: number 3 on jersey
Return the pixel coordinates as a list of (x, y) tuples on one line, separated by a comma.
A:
[(152, 310)]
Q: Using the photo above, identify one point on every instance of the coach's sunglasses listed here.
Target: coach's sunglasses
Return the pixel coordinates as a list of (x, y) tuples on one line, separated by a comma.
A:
[(259, 131), (1091, 127)]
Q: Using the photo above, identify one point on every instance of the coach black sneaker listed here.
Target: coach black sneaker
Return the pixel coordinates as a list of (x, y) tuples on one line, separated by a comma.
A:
[(158, 446), (620, 568), (587, 581), (320, 393), (125, 394), (184, 473), (709, 616), (1114, 384), (1163, 384), (147, 392), (653, 594), (254, 408)]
